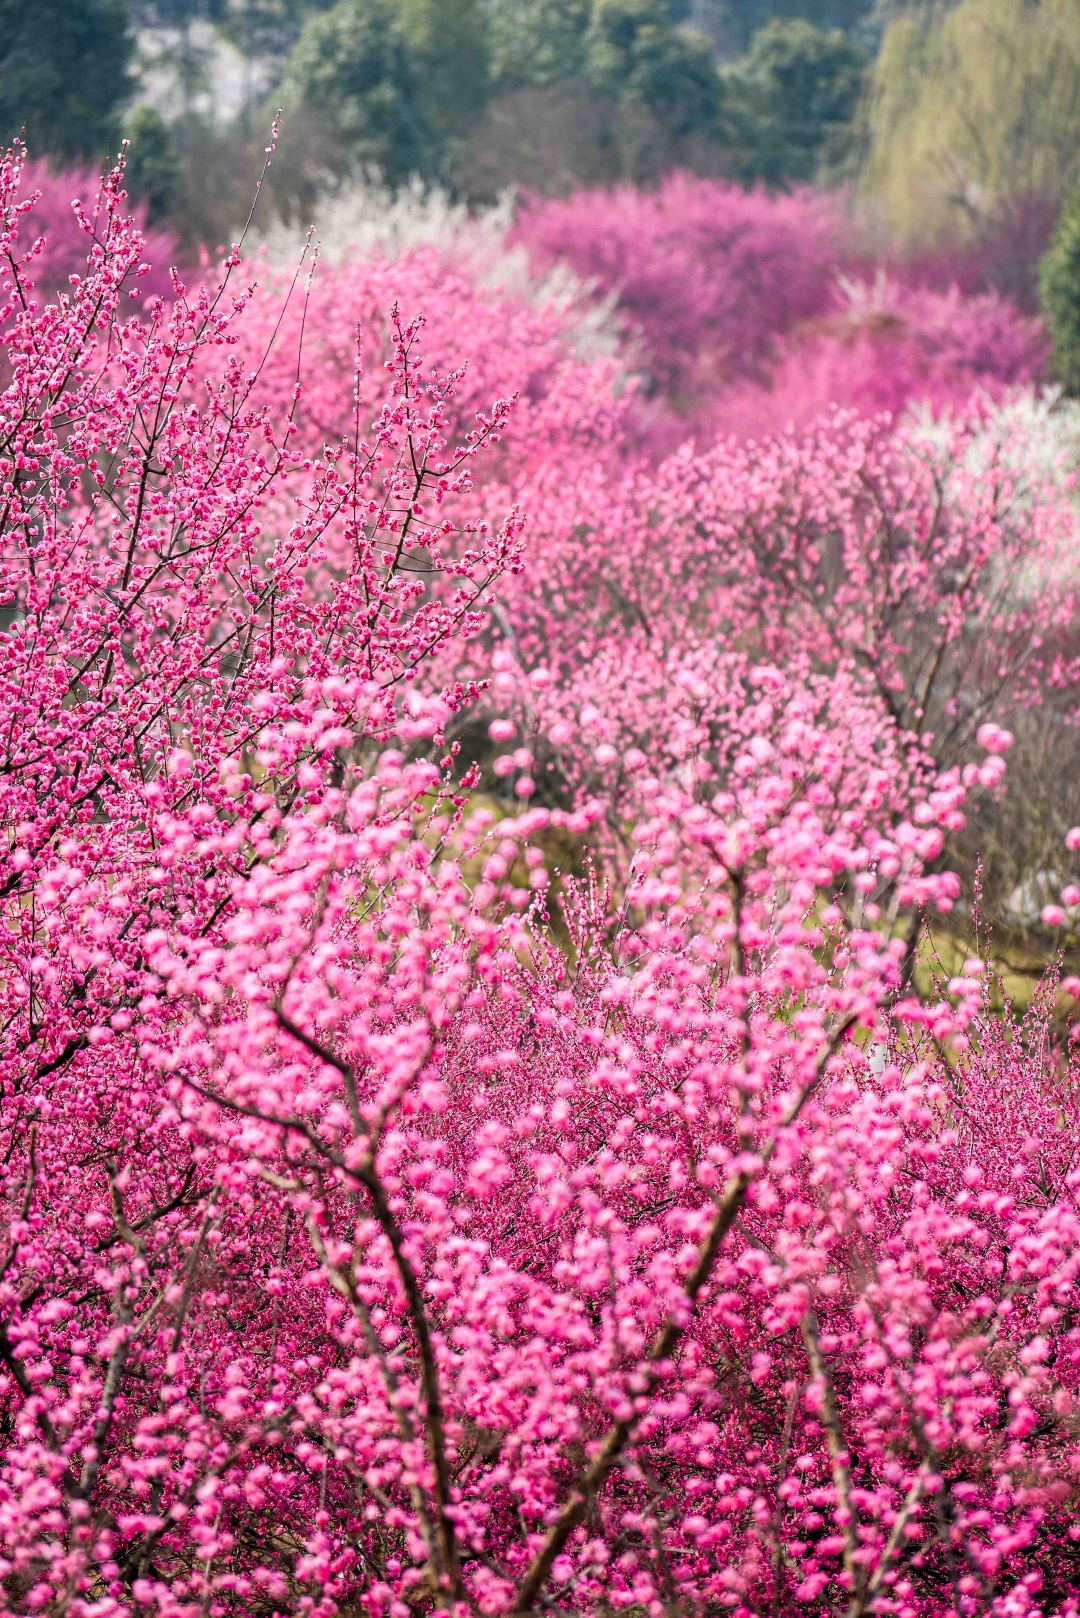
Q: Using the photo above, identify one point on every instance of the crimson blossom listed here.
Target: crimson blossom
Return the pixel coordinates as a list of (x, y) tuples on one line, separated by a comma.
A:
[(388, 1231)]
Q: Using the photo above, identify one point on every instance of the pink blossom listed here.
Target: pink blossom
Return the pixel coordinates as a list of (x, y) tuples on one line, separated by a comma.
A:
[(390, 1223), (67, 216), (994, 738), (709, 274), (992, 771), (754, 313)]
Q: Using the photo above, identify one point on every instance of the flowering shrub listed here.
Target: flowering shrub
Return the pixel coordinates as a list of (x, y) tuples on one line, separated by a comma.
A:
[(568, 398), (754, 312), (709, 274), (66, 232), (1002, 257), (931, 573), (890, 346), (365, 1249)]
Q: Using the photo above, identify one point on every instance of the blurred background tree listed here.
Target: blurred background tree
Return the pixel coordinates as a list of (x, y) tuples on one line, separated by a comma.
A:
[(352, 72), (969, 107), (448, 45), (1059, 286), (154, 165), (266, 30), (177, 38), (732, 24), (790, 101), (634, 54), (64, 73), (535, 42), (958, 138)]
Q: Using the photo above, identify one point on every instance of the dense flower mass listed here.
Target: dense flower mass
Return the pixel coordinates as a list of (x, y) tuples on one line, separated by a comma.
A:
[(752, 312), (470, 1139)]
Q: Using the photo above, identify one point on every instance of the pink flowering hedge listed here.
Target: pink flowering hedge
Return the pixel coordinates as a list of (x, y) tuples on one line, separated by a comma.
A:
[(395, 1221), (753, 312)]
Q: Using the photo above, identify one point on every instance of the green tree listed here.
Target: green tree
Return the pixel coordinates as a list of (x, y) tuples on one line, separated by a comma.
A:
[(448, 43), (535, 42), (789, 103), (634, 53), (968, 107), (153, 165), (352, 72), (267, 29), (739, 20), (64, 73), (177, 49), (1059, 291)]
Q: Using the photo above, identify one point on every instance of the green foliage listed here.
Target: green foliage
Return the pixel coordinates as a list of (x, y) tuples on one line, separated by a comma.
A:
[(739, 20), (969, 107), (536, 42), (402, 83), (633, 53), (448, 43), (176, 13), (64, 73), (396, 82), (789, 102), (1059, 290), (170, 45), (483, 93), (153, 165), (262, 29), (352, 69)]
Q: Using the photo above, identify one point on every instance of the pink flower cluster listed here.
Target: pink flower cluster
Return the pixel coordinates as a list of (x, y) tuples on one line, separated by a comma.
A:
[(885, 347), (880, 593), (393, 1222), (708, 274)]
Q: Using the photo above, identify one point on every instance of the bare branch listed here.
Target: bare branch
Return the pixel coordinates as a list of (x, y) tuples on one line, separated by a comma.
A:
[(834, 1439)]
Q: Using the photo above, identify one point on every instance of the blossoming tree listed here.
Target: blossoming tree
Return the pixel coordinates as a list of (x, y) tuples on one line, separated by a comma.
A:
[(366, 1248)]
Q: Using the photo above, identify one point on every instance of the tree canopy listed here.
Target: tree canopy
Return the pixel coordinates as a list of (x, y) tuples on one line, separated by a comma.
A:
[(790, 101), (970, 107), (64, 73), (474, 94), (352, 67), (633, 53), (449, 47), (536, 42), (1059, 286)]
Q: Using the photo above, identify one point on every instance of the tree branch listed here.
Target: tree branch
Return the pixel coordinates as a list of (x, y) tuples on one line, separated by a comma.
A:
[(674, 1328)]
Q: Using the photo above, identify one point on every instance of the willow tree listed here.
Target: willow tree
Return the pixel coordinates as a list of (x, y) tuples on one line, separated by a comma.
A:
[(969, 107)]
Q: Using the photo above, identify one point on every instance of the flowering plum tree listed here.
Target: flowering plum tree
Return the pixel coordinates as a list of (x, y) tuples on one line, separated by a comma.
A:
[(754, 311), (885, 346), (364, 1249), (65, 230), (709, 274), (923, 576)]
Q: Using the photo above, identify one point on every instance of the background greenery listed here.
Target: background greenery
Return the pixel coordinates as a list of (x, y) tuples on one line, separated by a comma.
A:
[(597, 89), (953, 124)]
